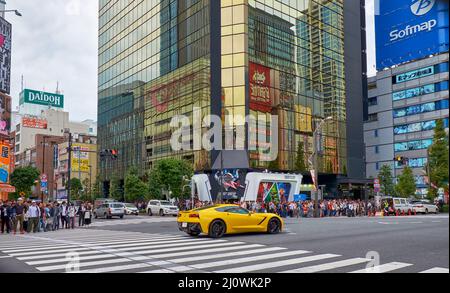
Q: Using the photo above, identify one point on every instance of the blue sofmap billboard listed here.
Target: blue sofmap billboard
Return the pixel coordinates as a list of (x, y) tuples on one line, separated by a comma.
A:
[(410, 29)]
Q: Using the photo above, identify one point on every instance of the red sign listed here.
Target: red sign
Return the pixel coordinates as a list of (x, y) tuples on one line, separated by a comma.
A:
[(7, 188), (260, 88), (29, 122)]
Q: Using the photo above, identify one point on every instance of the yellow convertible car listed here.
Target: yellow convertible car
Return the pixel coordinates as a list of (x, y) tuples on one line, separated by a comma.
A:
[(219, 220)]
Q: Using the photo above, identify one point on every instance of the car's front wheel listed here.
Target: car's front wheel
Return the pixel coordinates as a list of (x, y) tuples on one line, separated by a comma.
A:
[(161, 213), (217, 229), (274, 226), (150, 212)]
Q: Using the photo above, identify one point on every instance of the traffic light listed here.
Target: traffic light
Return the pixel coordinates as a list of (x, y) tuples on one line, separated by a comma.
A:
[(108, 153), (401, 160)]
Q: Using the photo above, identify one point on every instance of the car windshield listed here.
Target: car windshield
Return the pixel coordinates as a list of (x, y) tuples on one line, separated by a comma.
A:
[(205, 208), (117, 205), (130, 205), (166, 203)]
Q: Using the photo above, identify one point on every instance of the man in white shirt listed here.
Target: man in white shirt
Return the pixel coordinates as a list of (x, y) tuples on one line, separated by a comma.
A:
[(34, 212)]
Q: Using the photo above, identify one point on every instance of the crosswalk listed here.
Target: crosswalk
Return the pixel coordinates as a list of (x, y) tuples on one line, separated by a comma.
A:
[(98, 223), (103, 251)]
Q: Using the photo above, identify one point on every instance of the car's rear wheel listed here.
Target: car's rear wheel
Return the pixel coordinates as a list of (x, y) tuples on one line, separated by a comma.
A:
[(274, 226), (217, 229), (95, 216), (121, 216), (426, 212)]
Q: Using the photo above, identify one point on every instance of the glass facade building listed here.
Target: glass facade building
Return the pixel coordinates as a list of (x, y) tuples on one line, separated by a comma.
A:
[(159, 59)]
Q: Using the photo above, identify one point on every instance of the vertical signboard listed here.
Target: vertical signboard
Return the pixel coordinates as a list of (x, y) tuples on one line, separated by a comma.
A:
[(407, 30), (4, 162), (5, 56), (5, 116)]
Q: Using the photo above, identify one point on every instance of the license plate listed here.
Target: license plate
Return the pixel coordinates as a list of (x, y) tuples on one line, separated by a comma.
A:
[(184, 225)]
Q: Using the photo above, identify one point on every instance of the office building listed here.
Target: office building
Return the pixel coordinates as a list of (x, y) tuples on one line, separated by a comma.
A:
[(300, 60)]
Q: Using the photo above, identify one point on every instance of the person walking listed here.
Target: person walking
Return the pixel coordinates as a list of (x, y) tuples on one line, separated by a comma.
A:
[(64, 216), (71, 213), (50, 215), (87, 214), (33, 214), (20, 213), (56, 216), (4, 217), (12, 216), (80, 213)]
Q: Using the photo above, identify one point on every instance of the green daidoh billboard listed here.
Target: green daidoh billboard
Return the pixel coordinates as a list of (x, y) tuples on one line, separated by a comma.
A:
[(42, 98)]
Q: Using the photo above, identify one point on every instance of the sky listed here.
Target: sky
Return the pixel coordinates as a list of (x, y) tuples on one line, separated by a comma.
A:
[(56, 41)]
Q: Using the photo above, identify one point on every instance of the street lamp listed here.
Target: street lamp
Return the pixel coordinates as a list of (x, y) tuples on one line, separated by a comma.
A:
[(16, 12), (314, 163)]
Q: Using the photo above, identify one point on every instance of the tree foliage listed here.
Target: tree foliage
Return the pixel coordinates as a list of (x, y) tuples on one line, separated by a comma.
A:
[(386, 180), (438, 159), (135, 188), (300, 165), (406, 185), (169, 174), (76, 188), (115, 189), (23, 179)]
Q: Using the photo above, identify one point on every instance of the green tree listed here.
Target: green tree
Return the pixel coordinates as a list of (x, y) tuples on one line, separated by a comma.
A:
[(169, 174), (76, 188), (115, 190), (386, 180), (23, 179), (135, 188), (406, 185), (438, 160), (274, 165), (96, 191), (300, 165)]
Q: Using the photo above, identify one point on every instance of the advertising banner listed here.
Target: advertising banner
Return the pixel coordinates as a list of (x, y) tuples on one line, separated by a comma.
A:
[(5, 116), (42, 98), (29, 122), (410, 29), (274, 192), (230, 182), (4, 163), (5, 56), (260, 88)]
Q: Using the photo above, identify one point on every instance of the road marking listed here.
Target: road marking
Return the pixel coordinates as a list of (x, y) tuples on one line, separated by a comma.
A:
[(262, 266), (83, 264), (436, 271), (197, 252), (60, 246), (243, 260), (224, 255), (115, 269), (329, 266), (416, 222), (5, 256), (138, 246), (383, 268), (157, 272)]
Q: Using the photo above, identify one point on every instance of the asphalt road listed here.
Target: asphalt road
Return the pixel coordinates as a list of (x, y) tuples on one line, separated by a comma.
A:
[(398, 244)]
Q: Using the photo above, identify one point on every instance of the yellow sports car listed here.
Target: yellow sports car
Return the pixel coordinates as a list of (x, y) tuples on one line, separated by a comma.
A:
[(219, 220)]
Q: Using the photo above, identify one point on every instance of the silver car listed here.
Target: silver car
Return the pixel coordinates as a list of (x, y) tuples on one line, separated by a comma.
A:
[(109, 210), (161, 208)]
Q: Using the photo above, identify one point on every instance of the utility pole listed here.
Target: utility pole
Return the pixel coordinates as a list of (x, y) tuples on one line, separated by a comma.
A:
[(69, 166)]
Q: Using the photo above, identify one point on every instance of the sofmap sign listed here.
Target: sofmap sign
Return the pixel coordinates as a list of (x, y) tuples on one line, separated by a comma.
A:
[(42, 98), (410, 29)]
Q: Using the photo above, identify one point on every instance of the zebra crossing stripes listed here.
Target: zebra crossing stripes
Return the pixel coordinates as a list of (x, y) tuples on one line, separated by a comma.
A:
[(436, 271), (102, 251), (127, 221), (388, 267)]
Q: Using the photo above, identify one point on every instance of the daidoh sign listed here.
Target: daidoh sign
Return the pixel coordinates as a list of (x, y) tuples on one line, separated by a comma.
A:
[(42, 98)]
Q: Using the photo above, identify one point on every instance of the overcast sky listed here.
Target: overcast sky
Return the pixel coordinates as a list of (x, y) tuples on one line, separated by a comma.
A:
[(56, 40)]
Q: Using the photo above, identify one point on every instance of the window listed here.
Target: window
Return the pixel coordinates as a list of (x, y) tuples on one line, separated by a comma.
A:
[(414, 92), (420, 126), (240, 211), (372, 117), (376, 132), (377, 166), (422, 108), (377, 150), (373, 101)]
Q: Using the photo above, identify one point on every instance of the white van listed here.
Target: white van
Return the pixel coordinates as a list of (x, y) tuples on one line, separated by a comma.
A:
[(401, 205)]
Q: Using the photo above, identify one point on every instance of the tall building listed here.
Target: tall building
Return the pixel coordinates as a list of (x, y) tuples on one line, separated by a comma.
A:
[(300, 60), (404, 104), (411, 88)]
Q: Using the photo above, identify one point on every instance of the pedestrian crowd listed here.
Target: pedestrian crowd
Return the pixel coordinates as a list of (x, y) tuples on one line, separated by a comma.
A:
[(300, 209), (30, 216)]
